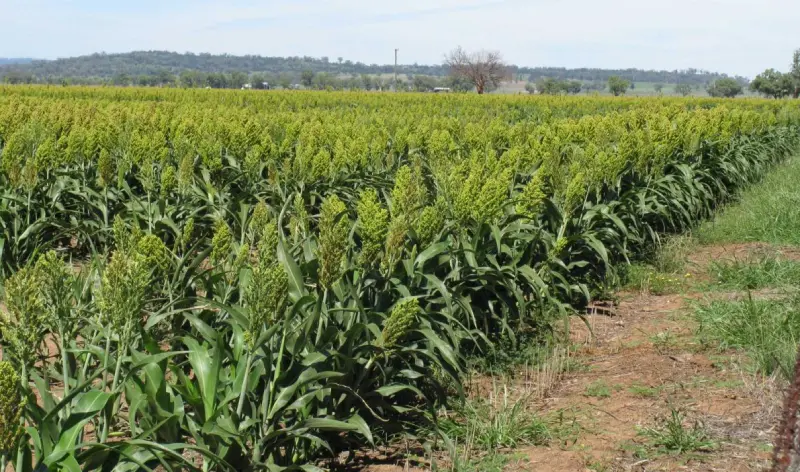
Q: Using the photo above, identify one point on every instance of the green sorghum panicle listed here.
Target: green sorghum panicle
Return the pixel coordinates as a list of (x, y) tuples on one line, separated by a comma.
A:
[(221, 242), (408, 195), (169, 181), (332, 241), (185, 173), (298, 222), (186, 233), (24, 325), (395, 243), (105, 169), (400, 321), (125, 239), (532, 197), (265, 296), (430, 222), (155, 253), (373, 224), (242, 258), (56, 279), (11, 406), (122, 292), (258, 221)]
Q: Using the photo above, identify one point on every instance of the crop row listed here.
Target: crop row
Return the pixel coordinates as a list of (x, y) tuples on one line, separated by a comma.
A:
[(229, 281)]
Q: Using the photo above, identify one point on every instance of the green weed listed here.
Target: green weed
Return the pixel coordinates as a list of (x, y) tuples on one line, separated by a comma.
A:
[(645, 391), (768, 212), (598, 389), (752, 275), (767, 330), (673, 436), (493, 426)]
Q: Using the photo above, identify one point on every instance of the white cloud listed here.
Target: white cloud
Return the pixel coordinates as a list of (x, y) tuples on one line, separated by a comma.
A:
[(734, 36)]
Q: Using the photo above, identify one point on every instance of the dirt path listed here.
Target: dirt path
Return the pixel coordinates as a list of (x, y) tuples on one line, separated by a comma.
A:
[(644, 363)]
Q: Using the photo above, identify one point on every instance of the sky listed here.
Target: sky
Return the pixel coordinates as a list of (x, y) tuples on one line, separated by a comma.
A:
[(741, 37)]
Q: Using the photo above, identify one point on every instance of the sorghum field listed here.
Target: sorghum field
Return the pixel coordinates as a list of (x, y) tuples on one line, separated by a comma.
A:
[(222, 280)]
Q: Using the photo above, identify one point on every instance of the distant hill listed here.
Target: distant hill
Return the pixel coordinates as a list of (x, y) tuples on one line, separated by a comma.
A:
[(15, 60), (101, 66)]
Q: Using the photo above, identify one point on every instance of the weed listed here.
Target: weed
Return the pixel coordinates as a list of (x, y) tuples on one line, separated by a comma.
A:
[(673, 436), (767, 330), (671, 256), (598, 389), (663, 341), (647, 279), (751, 275), (490, 426), (645, 391), (768, 212)]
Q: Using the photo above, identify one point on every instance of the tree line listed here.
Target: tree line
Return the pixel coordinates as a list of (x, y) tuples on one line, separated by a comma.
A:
[(99, 67), (776, 84)]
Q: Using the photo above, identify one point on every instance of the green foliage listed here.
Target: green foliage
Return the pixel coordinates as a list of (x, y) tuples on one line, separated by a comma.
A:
[(673, 436), (766, 330), (683, 89), (727, 88), (489, 427), (763, 272), (618, 86), (550, 86), (772, 83), (598, 389), (767, 213)]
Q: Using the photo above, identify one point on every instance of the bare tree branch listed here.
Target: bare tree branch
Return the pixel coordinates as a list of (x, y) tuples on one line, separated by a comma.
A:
[(482, 68)]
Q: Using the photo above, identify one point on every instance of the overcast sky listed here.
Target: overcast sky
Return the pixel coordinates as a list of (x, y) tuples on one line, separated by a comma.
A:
[(733, 36)]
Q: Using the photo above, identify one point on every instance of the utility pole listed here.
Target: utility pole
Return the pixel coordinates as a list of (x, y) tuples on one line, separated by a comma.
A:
[(395, 69)]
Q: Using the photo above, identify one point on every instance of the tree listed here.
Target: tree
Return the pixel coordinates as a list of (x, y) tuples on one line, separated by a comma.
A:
[(424, 83), (658, 87), (773, 83), (307, 78), (530, 87), (683, 89), (573, 86), (728, 88), (617, 85), (795, 73), (366, 82), (122, 79), (549, 86), (284, 81), (484, 69), (458, 84)]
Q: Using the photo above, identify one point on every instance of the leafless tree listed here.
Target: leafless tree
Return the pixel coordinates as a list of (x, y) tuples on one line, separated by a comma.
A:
[(482, 68)]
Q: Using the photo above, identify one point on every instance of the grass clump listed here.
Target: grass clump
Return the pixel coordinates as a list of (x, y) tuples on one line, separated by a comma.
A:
[(598, 389), (767, 330), (753, 275), (488, 426), (665, 273), (644, 391), (768, 212), (674, 435)]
